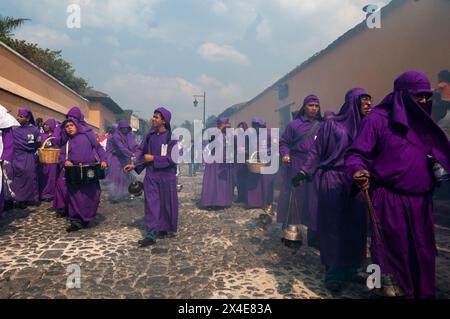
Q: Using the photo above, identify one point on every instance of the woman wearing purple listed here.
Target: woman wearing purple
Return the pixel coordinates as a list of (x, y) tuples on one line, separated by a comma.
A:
[(260, 186), (48, 172), (121, 148), (342, 219), (217, 188), (83, 149), (23, 168), (390, 157), (160, 183)]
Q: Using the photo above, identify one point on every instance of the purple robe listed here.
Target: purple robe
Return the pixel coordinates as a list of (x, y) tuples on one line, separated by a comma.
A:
[(393, 144), (60, 196), (240, 169), (120, 148), (48, 172), (342, 219), (83, 199), (24, 164), (160, 183), (297, 205), (217, 188), (260, 187)]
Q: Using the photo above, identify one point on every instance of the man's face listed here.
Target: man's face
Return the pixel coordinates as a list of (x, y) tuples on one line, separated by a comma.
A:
[(311, 110), (366, 105), (157, 120), (23, 120), (70, 128), (46, 128), (124, 130), (422, 98), (444, 90)]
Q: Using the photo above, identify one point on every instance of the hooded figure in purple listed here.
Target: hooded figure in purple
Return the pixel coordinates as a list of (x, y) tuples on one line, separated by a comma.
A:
[(260, 187), (299, 205), (48, 172), (217, 188), (240, 169), (390, 159), (121, 148), (160, 183), (7, 122), (60, 202), (83, 149), (23, 169), (342, 218)]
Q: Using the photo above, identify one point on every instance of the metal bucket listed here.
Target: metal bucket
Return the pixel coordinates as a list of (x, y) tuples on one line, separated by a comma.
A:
[(136, 188)]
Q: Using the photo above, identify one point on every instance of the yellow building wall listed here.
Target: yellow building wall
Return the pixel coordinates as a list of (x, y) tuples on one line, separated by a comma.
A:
[(413, 36)]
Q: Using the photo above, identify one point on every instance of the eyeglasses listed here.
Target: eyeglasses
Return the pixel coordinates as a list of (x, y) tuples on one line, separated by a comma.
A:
[(366, 98)]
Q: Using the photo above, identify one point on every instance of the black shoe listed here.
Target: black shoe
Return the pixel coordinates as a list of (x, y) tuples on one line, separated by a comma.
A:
[(165, 234), (22, 205), (357, 277), (73, 227), (62, 212), (334, 286), (148, 241)]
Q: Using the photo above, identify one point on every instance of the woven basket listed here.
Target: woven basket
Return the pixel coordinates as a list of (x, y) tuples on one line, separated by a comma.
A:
[(254, 166), (49, 155)]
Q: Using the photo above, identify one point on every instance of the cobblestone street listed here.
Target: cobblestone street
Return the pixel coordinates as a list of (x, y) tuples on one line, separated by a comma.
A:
[(215, 255)]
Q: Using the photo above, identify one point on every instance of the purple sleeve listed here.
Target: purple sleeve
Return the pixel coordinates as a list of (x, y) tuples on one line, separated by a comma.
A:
[(98, 149), (121, 148), (360, 153), (285, 141), (8, 139), (314, 156), (62, 155), (140, 152), (165, 161)]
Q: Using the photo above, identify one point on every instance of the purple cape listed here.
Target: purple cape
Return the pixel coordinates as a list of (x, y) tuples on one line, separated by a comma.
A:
[(393, 144)]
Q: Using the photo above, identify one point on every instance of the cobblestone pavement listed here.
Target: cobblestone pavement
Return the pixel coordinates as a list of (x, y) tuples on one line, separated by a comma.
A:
[(215, 255)]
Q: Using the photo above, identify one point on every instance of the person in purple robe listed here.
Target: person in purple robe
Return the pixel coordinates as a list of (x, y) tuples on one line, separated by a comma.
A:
[(23, 168), (60, 201), (160, 183), (260, 187), (217, 187), (7, 122), (240, 169), (80, 148), (341, 218), (121, 148), (48, 172), (390, 158), (299, 205)]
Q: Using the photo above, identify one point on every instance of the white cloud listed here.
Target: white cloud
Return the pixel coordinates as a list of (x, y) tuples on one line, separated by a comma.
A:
[(113, 41), (225, 53), (43, 36), (264, 31), (144, 93), (219, 7)]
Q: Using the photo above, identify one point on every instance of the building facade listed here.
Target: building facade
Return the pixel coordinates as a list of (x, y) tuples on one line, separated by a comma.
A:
[(413, 36)]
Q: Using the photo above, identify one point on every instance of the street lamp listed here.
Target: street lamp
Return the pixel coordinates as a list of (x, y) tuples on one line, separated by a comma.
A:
[(204, 106)]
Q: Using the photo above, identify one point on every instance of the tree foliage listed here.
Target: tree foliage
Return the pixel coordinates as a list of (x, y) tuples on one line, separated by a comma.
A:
[(48, 60)]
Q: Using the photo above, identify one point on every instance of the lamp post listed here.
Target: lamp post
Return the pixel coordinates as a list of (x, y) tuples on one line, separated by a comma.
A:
[(204, 106)]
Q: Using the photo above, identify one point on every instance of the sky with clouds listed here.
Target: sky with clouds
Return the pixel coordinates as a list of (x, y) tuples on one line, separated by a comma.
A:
[(149, 53)]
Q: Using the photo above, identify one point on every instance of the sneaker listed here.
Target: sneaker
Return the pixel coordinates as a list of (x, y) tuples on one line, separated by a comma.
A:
[(148, 241)]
